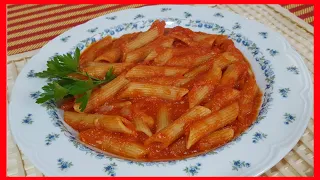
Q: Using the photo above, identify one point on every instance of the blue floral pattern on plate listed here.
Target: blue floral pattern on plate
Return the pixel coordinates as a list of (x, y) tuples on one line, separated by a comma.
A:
[(35, 95), (284, 92), (272, 52), (218, 15), (187, 14), (110, 169), (139, 16), (111, 18), (51, 137), (293, 69), (236, 26), (238, 164), (165, 9), (27, 119), (31, 74), (289, 118), (258, 136), (92, 30), (192, 170), (64, 165), (263, 34), (65, 39)]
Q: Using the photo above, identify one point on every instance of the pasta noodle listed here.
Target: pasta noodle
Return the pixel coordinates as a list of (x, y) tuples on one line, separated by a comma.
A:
[(215, 121), (149, 71), (150, 51), (222, 99), (144, 38), (162, 118), (99, 96), (232, 74), (113, 144), (188, 61), (162, 58), (99, 70), (116, 52), (216, 138), (142, 126), (94, 50), (198, 70), (174, 94), (246, 99), (151, 90), (175, 130), (112, 55), (82, 121), (204, 87), (166, 81)]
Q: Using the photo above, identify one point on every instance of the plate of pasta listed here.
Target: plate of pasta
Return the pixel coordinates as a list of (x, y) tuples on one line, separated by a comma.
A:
[(162, 91)]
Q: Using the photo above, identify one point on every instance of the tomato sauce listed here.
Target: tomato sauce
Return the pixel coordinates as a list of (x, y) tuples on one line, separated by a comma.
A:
[(151, 105)]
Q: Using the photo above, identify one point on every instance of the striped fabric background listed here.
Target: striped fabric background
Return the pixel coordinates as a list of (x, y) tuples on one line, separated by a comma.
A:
[(30, 26), (303, 11)]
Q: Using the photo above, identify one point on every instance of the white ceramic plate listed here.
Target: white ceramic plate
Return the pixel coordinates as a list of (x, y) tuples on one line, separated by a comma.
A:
[(281, 74)]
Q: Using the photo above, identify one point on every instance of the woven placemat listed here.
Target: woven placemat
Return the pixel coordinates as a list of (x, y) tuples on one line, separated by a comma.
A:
[(298, 162)]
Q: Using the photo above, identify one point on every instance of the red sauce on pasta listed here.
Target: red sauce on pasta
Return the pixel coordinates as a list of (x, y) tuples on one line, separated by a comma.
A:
[(138, 104)]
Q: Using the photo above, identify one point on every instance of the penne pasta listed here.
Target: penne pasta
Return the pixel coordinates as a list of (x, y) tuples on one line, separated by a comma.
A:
[(94, 50), (142, 126), (212, 77), (188, 61), (112, 55), (246, 99), (223, 99), (113, 143), (151, 90), (121, 104), (224, 60), (209, 41), (163, 57), (232, 74), (144, 38), (99, 69), (175, 130), (153, 54), (183, 34), (211, 123), (226, 44), (149, 71), (83, 121), (166, 81), (149, 51), (175, 93), (204, 87), (109, 107), (162, 118), (220, 40), (100, 96), (198, 94), (198, 70), (200, 36), (148, 120), (216, 139), (127, 112)]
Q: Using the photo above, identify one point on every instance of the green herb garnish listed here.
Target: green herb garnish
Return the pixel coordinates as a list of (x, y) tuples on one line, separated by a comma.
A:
[(64, 86)]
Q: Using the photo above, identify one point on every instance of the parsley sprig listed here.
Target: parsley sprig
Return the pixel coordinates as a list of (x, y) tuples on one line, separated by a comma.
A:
[(63, 86)]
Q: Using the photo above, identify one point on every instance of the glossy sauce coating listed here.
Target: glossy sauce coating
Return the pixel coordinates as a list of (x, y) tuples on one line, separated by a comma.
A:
[(151, 105)]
